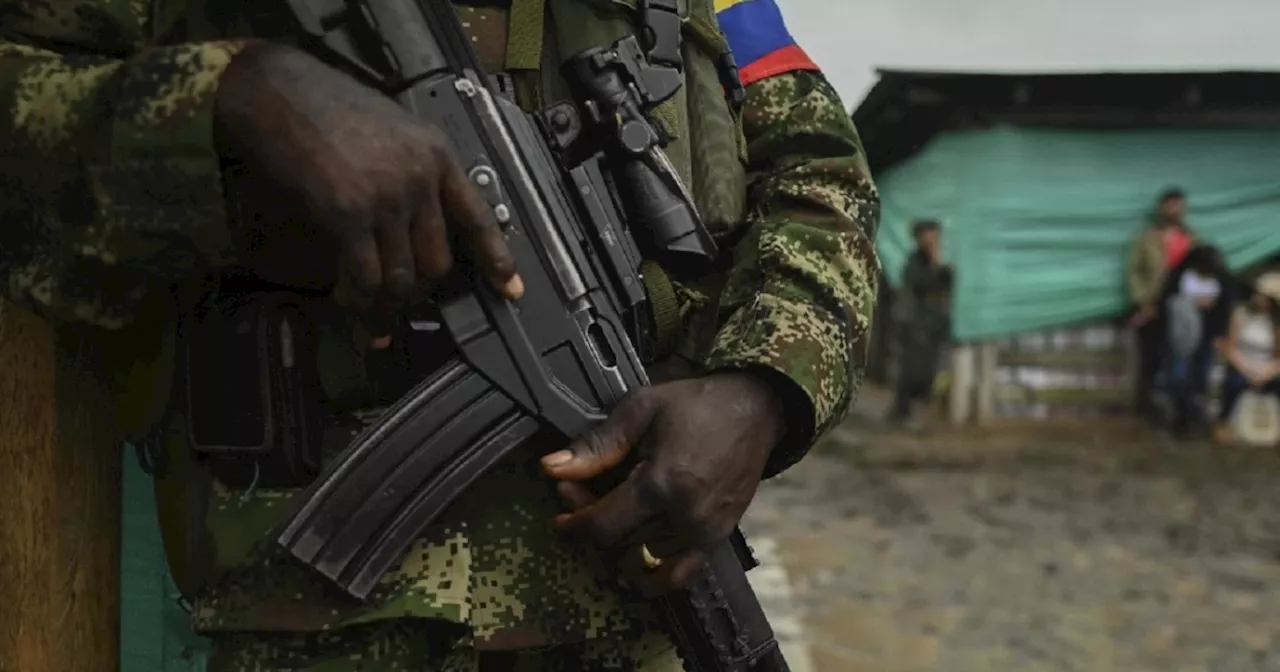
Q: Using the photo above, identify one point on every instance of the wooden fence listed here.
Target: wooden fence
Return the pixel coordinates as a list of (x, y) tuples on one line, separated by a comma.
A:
[(1083, 373)]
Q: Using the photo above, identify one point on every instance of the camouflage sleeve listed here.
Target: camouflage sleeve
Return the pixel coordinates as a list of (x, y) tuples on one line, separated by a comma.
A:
[(802, 290), (109, 183)]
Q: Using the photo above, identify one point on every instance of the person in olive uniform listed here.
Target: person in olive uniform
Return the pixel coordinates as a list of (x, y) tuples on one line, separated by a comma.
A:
[(924, 319), (1163, 244)]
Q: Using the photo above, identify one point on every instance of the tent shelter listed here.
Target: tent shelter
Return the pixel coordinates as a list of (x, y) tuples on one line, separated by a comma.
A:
[(1041, 180)]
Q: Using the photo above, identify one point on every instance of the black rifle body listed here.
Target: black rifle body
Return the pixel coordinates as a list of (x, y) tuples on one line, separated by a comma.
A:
[(559, 358)]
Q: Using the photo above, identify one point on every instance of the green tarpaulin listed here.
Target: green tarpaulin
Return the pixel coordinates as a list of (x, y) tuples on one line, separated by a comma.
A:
[(1038, 222), (155, 632)]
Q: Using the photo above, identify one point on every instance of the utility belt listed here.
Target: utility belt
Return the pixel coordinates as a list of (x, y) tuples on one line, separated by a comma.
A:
[(264, 373)]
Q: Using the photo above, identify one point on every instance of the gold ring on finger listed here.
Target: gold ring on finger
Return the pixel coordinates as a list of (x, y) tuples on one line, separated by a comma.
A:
[(650, 562)]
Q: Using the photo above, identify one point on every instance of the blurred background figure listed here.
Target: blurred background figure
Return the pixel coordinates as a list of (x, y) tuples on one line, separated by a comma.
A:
[(923, 316), (1161, 246), (1195, 309), (1251, 350)]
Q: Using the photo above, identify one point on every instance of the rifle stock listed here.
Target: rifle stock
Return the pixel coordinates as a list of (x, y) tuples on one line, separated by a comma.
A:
[(560, 357)]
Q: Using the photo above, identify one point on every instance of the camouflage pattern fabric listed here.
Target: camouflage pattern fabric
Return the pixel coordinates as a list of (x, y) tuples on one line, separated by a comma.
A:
[(425, 646), (491, 562), (802, 291), (111, 185), (111, 189)]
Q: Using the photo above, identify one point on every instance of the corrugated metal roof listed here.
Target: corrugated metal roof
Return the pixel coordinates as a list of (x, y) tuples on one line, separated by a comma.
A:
[(905, 109), (850, 38)]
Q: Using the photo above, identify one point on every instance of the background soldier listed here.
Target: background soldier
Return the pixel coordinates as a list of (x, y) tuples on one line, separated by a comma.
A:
[(126, 119), (924, 319)]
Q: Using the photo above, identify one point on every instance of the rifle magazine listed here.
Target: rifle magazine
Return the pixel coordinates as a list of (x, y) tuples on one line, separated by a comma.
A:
[(507, 433), (400, 473)]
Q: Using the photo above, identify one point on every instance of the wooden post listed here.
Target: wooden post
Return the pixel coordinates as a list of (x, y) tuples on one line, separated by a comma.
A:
[(988, 366), (963, 369), (1133, 364), (60, 520)]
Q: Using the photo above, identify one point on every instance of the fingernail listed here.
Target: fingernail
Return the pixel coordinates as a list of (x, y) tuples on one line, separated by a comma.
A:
[(557, 458), (514, 287)]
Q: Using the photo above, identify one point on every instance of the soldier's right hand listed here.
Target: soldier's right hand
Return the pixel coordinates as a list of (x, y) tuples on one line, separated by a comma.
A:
[(382, 184)]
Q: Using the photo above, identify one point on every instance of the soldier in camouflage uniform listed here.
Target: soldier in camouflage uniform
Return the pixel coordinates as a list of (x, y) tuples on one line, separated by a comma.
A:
[(923, 319), (124, 122)]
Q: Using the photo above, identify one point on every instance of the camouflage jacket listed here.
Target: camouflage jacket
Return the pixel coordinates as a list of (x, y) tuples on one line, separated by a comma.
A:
[(1148, 264), (111, 191)]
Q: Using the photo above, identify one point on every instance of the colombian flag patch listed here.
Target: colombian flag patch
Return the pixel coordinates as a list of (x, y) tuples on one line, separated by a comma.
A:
[(761, 44)]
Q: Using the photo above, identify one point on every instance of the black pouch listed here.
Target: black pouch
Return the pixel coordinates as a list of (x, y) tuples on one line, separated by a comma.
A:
[(254, 408)]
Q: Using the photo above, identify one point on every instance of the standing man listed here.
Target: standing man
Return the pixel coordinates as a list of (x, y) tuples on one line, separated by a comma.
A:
[(126, 125), (1160, 246), (924, 319)]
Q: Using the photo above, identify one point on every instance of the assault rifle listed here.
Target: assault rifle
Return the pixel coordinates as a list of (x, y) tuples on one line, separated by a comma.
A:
[(570, 186)]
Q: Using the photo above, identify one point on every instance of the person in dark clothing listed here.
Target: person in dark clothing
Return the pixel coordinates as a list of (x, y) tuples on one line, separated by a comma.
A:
[(1195, 310), (923, 312)]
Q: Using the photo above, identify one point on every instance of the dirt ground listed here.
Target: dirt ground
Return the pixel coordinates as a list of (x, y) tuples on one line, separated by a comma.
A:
[(1101, 547)]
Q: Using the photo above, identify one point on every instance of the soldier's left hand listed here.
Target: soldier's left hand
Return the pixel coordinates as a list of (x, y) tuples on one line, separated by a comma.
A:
[(700, 446)]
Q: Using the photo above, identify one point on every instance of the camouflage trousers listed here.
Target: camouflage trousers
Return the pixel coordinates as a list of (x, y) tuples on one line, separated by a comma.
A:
[(422, 645)]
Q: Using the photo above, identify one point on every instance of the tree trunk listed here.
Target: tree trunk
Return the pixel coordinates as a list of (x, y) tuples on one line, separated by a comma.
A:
[(60, 511)]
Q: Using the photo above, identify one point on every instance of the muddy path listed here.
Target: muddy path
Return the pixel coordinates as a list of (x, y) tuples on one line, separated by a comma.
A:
[(1087, 548)]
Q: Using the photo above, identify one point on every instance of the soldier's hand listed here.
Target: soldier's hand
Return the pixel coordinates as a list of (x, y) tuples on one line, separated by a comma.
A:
[(700, 445), (384, 186)]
